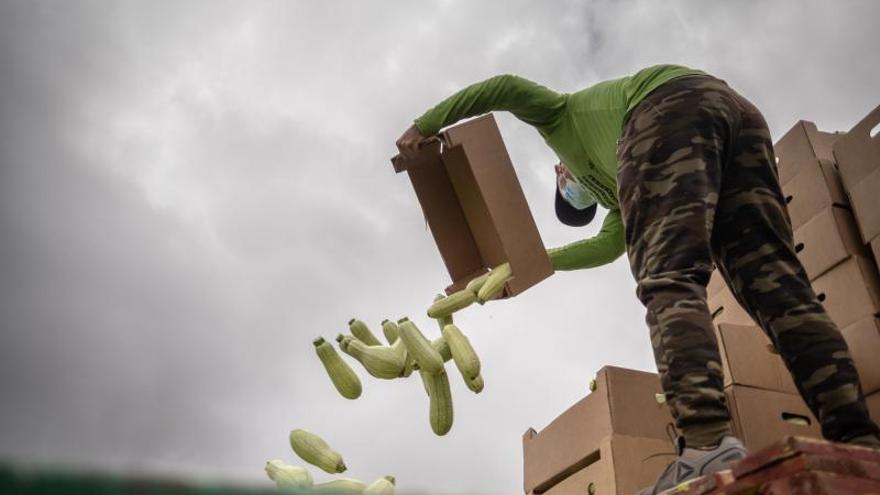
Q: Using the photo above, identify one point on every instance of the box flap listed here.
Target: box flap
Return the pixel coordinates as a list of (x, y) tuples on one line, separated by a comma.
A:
[(761, 417), (827, 239), (858, 152), (863, 196), (850, 291), (632, 402), (815, 187), (442, 211), (801, 144), (747, 359)]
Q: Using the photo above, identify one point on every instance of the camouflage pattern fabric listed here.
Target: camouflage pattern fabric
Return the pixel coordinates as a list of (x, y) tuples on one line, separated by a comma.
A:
[(698, 184)]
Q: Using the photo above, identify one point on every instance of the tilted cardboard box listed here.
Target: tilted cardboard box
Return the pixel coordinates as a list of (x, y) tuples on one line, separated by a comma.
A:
[(620, 465), (858, 159), (475, 207), (863, 340), (724, 309), (826, 240), (816, 186), (850, 291), (623, 403), (760, 417), (802, 143), (748, 359)]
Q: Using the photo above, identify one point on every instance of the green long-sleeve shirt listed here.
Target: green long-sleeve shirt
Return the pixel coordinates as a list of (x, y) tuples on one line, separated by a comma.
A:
[(583, 128)]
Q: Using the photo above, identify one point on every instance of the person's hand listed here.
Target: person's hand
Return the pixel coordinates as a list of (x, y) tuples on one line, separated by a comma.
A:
[(408, 143), (562, 175)]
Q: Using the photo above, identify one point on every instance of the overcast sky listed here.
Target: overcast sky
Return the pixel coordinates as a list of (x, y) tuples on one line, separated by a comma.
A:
[(191, 191)]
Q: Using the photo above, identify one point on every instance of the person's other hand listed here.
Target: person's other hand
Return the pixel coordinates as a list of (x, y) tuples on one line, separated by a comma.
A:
[(408, 143)]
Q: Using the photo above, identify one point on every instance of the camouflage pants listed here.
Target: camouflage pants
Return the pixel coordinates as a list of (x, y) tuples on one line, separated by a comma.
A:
[(697, 184)]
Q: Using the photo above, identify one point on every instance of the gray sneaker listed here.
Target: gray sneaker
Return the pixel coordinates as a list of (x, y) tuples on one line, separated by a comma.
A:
[(871, 440), (693, 463)]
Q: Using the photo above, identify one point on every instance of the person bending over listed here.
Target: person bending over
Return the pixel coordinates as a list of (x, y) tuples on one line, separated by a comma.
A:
[(685, 167)]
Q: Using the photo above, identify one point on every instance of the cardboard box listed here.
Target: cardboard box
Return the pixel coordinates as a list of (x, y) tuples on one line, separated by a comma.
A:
[(827, 239), (802, 143), (858, 152), (863, 197), (850, 291), (858, 157), (816, 186), (623, 403), (863, 339), (760, 417), (620, 465), (475, 207), (724, 309), (873, 401), (748, 359), (716, 283)]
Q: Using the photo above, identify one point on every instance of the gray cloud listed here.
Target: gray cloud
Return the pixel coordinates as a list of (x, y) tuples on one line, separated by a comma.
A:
[(190, 192)]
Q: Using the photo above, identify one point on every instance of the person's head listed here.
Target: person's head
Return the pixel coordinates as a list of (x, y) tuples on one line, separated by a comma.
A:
[(575, 206)]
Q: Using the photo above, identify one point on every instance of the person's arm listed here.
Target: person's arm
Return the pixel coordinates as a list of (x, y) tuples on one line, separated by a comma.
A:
[(528, 101), (604, 248)]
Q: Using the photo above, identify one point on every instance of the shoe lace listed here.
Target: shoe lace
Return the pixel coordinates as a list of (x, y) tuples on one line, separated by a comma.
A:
[(674, 437)]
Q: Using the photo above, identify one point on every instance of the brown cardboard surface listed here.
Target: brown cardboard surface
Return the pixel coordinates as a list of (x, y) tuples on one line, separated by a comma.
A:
[(475, 207), (716, 284), (724, 309), (863, 339), (850, 291), (823, 144), (816, 186), (827, 239), (863, 197), (873, 401), (759, 416), (858, 153), (623, 403), (442, 211), (484, 174), (802, 144), (621, 465), (875, 249), (747, 359), (597, 473)]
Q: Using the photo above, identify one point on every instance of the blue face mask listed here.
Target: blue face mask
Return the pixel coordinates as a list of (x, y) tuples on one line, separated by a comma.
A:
[(572, 191)]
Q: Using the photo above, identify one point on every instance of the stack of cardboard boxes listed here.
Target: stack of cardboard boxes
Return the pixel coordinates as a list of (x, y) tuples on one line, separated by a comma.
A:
[(858, 160), (612, 441), (615, 441), (829, 181)]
